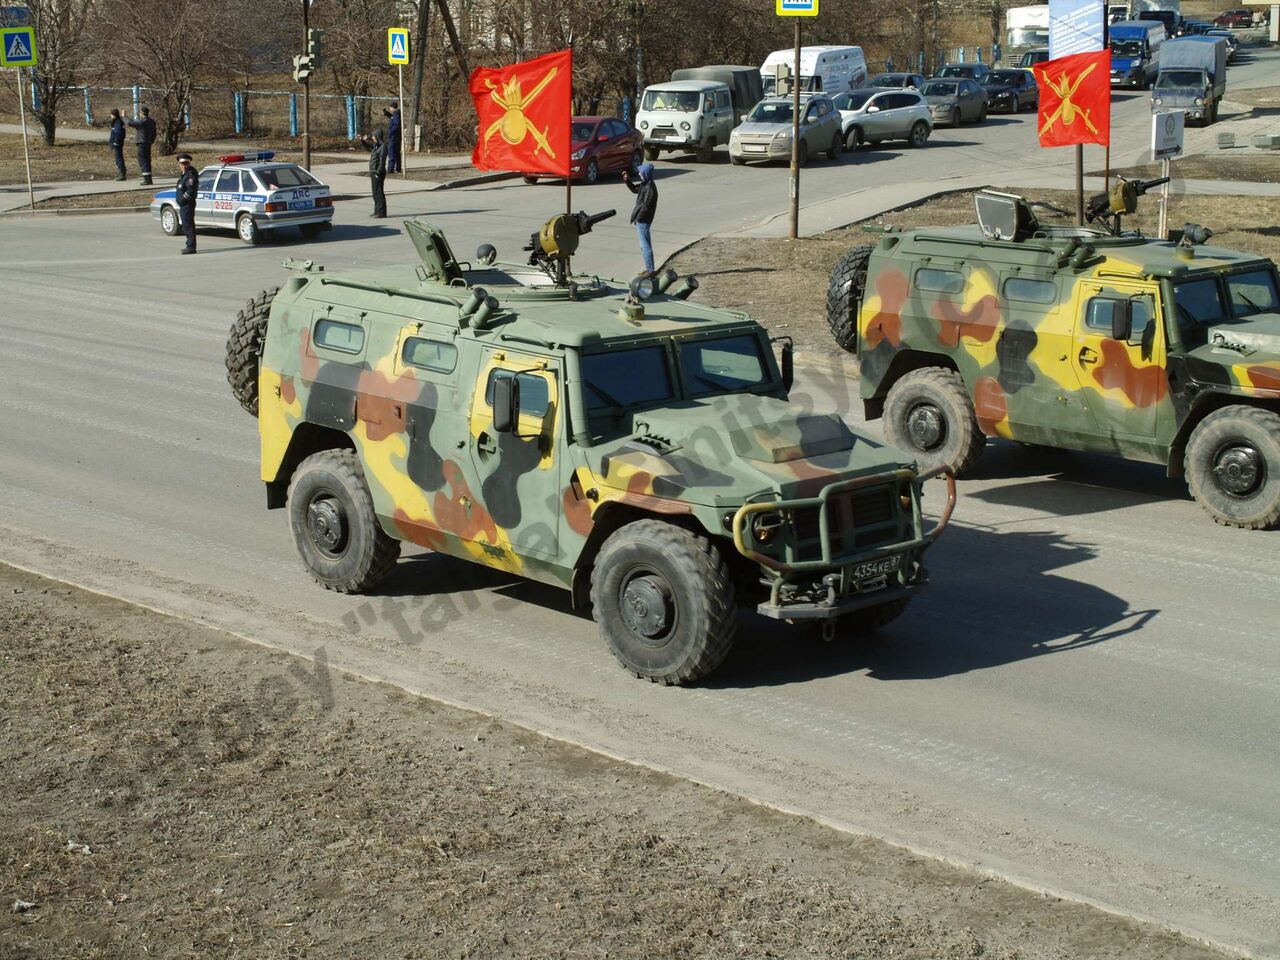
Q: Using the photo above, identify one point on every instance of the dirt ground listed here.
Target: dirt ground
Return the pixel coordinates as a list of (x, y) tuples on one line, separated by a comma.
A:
[(70, 160), (1251, 168), (784, 283), (173, 792)]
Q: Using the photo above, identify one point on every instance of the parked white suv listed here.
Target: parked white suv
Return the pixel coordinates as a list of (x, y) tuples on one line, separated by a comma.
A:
[(873, 114)]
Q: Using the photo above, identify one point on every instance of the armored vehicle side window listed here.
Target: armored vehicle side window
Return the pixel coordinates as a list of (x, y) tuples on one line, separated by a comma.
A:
[(723, 364), (534, 398), (1253, 292), (1199, 306), (1098, 315), (343, 337), (939, 281), (626, 378), (229, 181), (1030, 291), (434, 355)]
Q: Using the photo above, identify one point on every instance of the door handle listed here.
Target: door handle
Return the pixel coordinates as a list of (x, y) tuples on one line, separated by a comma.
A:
[(1088, 355), (486, 444)]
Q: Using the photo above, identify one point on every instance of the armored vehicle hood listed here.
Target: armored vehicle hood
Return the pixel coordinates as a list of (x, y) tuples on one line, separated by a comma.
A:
[(737, 448), (1258, 337)]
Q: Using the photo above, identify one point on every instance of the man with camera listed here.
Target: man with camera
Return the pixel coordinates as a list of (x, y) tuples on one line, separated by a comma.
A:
[(377, 148)]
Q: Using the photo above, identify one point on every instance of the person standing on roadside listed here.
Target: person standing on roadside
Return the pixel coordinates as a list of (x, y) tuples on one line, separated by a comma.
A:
[(377, 148), (392, 114), (144, 135), (188, 188), (646, 192), (115, 140)]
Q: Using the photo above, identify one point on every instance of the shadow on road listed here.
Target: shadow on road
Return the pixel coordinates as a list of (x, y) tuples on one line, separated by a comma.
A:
[(994, 600)]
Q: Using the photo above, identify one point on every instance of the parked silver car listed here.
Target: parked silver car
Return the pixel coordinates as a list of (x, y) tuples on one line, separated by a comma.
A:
[(249, 195), (873, 114), (955, 100), (766, 132)]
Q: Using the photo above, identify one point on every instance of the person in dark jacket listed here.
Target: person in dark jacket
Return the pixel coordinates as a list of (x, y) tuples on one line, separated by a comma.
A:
[(188, 188), (646, 192), (115, 141), (377, 148), (144, 135), (392, 114)]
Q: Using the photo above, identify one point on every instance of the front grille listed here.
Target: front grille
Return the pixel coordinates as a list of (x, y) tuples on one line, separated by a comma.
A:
[(664, 132), (857, 520)]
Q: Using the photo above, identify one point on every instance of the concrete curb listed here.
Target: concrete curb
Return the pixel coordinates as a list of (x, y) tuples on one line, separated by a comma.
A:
[(71, 211)]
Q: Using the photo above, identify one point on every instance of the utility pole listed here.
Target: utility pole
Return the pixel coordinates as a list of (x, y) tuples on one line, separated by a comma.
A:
[(794, 230), (306, 89), (419, 65)]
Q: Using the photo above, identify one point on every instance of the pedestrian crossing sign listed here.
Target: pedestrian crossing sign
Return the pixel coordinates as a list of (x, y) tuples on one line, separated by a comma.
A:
[(797, 8), (17, 47), (397, 46)]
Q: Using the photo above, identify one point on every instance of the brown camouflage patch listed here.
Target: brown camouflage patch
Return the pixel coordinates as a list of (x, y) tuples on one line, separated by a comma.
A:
[(978, 322), (990, 404), (1143, 386)]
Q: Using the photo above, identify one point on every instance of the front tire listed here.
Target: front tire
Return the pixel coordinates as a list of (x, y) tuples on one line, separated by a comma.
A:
[(707, 152), (853, 139), (802, 154), (530, 180), (870, 619), (247, 229), (592, 173), (928, 415), (244, 349), (1232, 465), (334, 526), (844, 296), (955, 117), (919, 134), (664, 601), (651, 153), (169, 221), (833, 151)]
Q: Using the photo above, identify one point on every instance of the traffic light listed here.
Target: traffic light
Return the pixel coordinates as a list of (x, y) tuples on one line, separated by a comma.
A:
[(302, 67), (315, 47)]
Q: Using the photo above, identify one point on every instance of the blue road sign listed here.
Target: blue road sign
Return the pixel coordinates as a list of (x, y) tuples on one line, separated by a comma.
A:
[(796, 8), (17, 47), (1075, 26)]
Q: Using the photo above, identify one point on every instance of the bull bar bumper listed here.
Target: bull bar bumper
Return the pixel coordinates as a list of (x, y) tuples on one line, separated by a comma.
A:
[(841, 590)]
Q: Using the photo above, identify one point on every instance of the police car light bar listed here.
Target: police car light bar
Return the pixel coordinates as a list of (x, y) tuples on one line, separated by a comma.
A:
[(260, 157)]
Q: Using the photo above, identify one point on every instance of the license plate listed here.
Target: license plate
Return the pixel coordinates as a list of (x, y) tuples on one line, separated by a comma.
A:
[(750, 148), (876, 568), (676, 139), (300, 204)]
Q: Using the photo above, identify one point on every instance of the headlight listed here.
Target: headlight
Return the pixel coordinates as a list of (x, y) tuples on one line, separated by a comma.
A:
[(782, 135), (684, 124), (644, 124), (578, 154), (1199, 101), (765, 525), (1158, 101)]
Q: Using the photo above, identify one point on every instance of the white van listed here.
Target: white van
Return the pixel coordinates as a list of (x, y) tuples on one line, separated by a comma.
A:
[(686, 116), (829, 70)]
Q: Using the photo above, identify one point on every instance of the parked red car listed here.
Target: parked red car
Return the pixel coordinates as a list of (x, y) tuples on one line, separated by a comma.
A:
[(1235, 18), (600, 145)]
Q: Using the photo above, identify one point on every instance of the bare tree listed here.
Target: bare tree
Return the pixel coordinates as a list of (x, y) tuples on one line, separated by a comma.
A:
[(61, 32), (169, 44)]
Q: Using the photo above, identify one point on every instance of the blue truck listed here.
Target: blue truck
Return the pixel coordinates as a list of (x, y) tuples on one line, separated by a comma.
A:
[(1192, 77), (1135, 52)]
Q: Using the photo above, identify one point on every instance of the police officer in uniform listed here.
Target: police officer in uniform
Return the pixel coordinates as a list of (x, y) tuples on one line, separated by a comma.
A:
[(393, 137), (115, 141), (144, 135), (187, 188)]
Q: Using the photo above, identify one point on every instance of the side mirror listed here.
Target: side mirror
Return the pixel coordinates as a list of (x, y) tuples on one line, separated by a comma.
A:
[(787, 364), (873, 109), (602, 138), (1121, 319), (506, 404)]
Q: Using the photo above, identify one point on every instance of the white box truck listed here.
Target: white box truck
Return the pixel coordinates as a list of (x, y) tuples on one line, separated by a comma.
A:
[(828, 70), (1025, 28)]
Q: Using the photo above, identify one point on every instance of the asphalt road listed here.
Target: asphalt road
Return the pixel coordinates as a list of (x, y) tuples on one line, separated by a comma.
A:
[(1085, 701)]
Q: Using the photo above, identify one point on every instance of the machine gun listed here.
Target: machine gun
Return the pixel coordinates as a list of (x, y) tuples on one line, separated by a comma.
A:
[(557, 241), (1107, 208)]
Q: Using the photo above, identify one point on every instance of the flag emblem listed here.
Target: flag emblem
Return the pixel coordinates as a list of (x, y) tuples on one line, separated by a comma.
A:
[(523, 115), (1075, 99)]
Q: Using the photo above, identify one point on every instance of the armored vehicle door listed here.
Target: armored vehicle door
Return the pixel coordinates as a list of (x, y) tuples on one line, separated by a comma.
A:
[(1125, 382), (517, 471)]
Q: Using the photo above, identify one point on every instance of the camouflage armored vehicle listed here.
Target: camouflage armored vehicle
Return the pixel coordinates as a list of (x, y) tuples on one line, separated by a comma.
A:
[(1082, 338), (614, 440)]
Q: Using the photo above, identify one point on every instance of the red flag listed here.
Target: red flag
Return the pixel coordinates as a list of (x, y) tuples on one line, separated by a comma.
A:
[(524, 114), (1075, 99)]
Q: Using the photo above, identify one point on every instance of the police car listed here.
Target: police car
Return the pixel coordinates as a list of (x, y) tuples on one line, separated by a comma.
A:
[(250, 194)]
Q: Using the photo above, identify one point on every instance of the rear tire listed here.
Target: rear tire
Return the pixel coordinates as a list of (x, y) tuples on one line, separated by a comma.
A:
[(1232, 466), (334, 525), (929, 416), (247, 230), (844, 296), (244, 349), (663, 598), (311, 230)]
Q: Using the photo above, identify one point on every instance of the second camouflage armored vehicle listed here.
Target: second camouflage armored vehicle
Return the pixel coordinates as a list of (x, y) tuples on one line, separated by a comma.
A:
[(611, 439), (1075, 337)]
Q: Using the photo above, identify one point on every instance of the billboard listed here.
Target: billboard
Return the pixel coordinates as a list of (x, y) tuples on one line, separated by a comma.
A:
[(1076, 26)]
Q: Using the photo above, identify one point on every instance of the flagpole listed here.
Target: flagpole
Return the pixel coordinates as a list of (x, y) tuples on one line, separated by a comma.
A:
[(1080, 184), (568, 180)]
